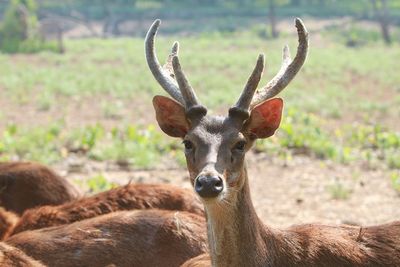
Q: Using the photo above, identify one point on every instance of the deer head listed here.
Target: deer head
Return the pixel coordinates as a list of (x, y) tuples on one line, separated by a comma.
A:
[(215, 146)]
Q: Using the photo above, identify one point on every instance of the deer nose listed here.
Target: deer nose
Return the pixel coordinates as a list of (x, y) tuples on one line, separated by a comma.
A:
[(208, 186)]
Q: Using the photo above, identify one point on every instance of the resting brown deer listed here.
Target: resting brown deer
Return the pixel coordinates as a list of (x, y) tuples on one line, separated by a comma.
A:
[(24, 185), (8, 220), (13, 257), (203, 260), (128, 197), (215, 148), (124, 238)]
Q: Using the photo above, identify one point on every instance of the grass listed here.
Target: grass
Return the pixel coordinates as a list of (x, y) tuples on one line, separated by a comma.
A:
[(395, 178), (337, 87), (97, 183), (338, 191), (136, 146), (117, 67)]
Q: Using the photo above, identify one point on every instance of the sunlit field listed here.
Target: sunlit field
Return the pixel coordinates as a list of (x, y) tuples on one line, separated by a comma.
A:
[(96, 99)]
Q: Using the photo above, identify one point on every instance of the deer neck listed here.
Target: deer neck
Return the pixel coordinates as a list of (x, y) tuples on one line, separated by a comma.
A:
[(236, 235)]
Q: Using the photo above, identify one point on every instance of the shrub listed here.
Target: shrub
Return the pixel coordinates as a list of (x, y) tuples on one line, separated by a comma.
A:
[(19, 31)]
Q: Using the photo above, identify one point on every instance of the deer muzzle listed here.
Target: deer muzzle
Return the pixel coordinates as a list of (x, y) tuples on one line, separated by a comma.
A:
[(208, 186)]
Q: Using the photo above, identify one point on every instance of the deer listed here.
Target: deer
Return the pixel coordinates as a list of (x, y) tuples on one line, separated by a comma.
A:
[(128, 197), (215, 147), (13, 257), (202, 260), (8, 220), (124, 238), (25, 185)]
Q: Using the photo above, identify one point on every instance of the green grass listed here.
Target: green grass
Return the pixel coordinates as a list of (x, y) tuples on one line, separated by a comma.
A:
[(117, 68), (338, 191), (136, 145), (97, 183), (395, 178), (217, 66), (139, 147)]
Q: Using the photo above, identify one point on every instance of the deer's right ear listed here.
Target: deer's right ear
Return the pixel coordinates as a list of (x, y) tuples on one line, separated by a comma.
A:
[(170, 116)]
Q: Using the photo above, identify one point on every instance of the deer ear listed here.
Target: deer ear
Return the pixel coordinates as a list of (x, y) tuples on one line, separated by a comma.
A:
[(170, 116), (264, 118)]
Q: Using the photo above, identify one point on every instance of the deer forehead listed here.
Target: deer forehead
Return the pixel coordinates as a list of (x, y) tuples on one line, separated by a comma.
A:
[(215, 130)]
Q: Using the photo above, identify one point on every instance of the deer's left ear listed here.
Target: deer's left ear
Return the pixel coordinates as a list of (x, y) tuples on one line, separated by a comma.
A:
[(264, 118)]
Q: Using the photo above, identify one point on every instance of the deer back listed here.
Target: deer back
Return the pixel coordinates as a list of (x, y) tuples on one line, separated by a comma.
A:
[(13, 257), (128, 197), (25, 185), (125, 238)]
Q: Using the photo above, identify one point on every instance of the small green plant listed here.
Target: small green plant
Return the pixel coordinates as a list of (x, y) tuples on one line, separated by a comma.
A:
[(99, 183), (392, 158), (44, 102), (112, 110), (86, 138), (302, 131), (395, 179), (338, 191), (138, 146)]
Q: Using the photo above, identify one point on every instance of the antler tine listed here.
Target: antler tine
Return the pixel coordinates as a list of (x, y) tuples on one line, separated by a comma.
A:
[(165, 80), (243, 103), (187, 91), (168, 64), (288, 70)]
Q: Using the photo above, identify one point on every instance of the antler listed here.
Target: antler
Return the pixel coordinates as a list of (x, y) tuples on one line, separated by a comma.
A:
[(288, 70), (187, 91), (168, 65), (180, 90), (243, 103), (160, 74)]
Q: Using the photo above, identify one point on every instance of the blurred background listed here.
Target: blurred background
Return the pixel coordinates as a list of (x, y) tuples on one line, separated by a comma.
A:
[(75, 93)]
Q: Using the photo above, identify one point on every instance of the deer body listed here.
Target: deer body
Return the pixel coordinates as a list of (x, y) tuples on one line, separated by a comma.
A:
[(237, 237), (13, 257), (128, 197), (203, 260), (25, 185), (8, 220), (125, 238), (215, 148)]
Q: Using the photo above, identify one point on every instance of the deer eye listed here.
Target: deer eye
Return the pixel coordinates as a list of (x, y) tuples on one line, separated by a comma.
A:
[(188, 145), (239, 146)]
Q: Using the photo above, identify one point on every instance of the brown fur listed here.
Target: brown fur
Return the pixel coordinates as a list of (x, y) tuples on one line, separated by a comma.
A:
[(237, 237), (202, 260), (125, 238), (13, 257), (248, 242), (129, 197), (8, 220), (314, 244), (24, 185)]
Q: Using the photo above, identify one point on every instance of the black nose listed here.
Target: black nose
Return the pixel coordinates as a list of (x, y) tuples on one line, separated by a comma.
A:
[(208, 186)]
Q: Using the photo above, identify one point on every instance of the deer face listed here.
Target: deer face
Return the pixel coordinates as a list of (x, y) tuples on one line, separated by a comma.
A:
[(215, 146)]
